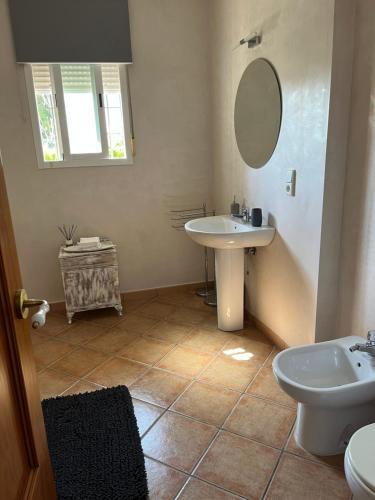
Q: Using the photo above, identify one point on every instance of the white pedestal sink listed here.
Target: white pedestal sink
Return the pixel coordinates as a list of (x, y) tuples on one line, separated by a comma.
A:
[(229, 237)]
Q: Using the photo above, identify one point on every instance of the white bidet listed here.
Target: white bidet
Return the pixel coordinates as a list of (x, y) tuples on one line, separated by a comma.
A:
[(335, 391)]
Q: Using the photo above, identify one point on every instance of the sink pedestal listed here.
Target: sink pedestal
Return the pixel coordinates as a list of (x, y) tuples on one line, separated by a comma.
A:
[(229, 237), (229, 268)]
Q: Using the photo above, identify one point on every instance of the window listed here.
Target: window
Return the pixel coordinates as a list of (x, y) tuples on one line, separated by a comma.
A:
[(80, 114)]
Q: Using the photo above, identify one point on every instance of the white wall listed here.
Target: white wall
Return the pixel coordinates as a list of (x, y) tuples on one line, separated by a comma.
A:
[(170, 95), (357, 297), (186, 71), (298, 38)]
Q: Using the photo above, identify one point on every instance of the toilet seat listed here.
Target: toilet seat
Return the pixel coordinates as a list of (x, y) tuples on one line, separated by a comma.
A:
[(360, 460)]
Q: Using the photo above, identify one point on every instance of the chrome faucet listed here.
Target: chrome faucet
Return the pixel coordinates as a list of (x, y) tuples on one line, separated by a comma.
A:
[(246, 214), (368, 346)]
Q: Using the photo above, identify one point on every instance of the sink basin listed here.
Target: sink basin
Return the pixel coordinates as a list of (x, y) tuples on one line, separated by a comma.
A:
[(224, 231), (229, 236)]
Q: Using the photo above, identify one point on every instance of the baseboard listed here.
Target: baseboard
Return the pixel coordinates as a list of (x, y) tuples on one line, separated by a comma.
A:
[(148, 293), (160, 291), (278, 341)]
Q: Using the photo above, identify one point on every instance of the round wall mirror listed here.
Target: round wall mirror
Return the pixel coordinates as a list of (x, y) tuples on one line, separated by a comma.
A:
[(257, 113)]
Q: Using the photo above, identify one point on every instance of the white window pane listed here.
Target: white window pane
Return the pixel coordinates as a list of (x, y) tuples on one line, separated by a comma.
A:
[(112, 103), (81, 108), (47, 115)]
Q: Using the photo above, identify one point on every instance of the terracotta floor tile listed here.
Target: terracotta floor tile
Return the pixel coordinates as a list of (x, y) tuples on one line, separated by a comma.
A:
[(82, 386), (199, 490), (106, 317), (137, 323), (116, 371), (242, 347), (113, 341), (47, 352), (159, 387), (133, 304), (334, 460), (55, 324), (265, 385), (296, 478), (81, 332), (189, 316), (206, 340), (196, 302), (146, 295), (239, 465), (210, 323), (38, 338), (187, 299), (146, 350), (79, 362), (163, 482), (206, 403), (52, 383), (185, 361), (170, 332), (275, 351), (157, 310), (229, 372), (174, 298), (146, 414), (252, 333), (177, 441), (261, 420)]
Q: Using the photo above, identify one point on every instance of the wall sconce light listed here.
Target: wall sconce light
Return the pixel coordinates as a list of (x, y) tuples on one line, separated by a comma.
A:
[(252, 40)]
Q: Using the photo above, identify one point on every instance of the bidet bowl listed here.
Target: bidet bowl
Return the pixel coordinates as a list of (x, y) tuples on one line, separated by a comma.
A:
[(327, 373), (335, 391)]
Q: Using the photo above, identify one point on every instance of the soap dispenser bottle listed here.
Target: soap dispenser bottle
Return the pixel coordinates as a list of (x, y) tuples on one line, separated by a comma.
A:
[(234, 207)]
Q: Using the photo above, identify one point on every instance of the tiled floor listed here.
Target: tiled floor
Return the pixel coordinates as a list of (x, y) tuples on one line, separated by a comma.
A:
[(214, 423)]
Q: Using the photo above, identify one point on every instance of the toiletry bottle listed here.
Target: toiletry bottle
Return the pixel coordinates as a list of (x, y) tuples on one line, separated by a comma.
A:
[(234, 207), (256, 217)]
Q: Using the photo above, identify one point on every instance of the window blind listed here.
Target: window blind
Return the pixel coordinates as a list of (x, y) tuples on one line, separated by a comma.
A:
[(42, 78), (111, 78), (71, 31), (76, 77)]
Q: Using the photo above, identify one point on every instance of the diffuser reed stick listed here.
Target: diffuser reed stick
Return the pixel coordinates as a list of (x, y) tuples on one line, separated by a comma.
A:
[(68, 233)]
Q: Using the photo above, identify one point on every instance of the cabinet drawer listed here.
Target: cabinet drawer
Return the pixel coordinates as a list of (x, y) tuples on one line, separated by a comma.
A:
[(90, 288), (97, 259)]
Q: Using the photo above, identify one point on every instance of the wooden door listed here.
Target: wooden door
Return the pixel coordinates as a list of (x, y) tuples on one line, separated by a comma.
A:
[(25, 468)]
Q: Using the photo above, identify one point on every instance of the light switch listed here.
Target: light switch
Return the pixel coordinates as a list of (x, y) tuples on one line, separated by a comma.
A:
[(290, 184)]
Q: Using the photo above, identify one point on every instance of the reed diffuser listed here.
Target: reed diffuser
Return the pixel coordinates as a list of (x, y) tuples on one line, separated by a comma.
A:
[(68, 233)]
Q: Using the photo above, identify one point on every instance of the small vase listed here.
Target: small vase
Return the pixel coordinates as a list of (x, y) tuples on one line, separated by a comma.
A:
[(69, 243)]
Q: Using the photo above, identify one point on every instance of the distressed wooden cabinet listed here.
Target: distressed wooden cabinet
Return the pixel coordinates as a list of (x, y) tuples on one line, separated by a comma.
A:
[(90, 280)]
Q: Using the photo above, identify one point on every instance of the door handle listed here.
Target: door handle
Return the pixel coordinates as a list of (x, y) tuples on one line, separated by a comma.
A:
[(22, 304)]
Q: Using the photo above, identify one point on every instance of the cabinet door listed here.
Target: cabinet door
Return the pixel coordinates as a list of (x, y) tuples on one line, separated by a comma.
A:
[(106, 286), (89, 288)]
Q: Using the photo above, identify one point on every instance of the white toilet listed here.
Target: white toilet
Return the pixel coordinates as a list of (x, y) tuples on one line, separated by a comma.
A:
[(335, 391), (360, 463)]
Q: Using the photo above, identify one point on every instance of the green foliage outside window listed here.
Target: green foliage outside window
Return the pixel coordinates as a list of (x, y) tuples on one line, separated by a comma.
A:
[(47, 126)]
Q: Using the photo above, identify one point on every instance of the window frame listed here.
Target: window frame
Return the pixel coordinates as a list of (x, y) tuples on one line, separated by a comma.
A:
[(87, 159)]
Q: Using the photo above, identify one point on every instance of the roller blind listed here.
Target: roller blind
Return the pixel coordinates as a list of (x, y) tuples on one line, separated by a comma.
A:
[(71, 31)]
